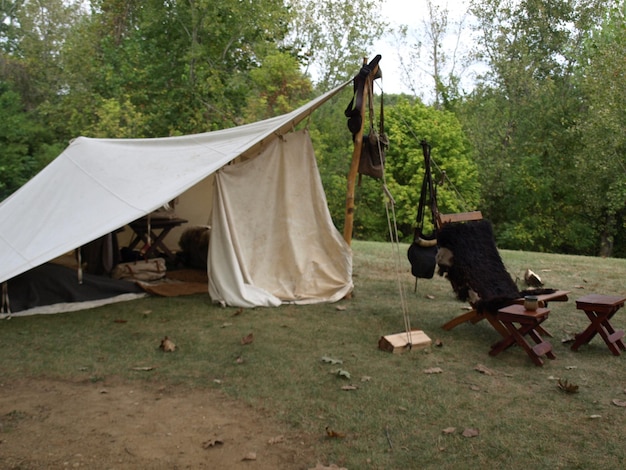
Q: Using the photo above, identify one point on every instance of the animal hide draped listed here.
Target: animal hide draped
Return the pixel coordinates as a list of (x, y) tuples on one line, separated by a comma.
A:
[(476, 265)]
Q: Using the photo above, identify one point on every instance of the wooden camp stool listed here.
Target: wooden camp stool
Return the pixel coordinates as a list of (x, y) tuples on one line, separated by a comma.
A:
[(600, 309), (520, 324)]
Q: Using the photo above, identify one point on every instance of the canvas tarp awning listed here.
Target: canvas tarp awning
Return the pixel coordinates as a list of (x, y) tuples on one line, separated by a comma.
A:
[(99, 185)]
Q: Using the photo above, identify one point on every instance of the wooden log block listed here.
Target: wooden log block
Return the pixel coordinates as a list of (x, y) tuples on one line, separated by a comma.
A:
[(400, 342)]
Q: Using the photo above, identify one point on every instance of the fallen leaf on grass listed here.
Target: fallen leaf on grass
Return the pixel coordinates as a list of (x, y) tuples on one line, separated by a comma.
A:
[(430, 297), (484, 369), (333, 434), (146, 368), (247, 339), (249, 456), (238, 312), (433, 370), (595, 417), (474, 388), (366, 378), (239, 360), (119, 320), (470, 432), (226, 324), (212, 443), (276, 440), (617, 402), (167, 345), (330, 360), (449, 430), (349, 387), (341, 308), (438, 343), (567, 387), (344, 374)]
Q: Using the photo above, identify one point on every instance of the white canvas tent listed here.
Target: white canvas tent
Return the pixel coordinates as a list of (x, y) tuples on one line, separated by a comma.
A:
[(272, 238)]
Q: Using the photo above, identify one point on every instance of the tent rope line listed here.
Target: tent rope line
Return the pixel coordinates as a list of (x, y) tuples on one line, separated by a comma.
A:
[(393, 234), (392, 225)]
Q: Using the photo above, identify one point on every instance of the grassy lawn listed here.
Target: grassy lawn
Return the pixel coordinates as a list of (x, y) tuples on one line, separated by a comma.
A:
[(396, 414)]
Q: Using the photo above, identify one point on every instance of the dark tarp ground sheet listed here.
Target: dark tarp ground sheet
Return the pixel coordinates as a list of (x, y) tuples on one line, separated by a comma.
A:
[(51, 284)]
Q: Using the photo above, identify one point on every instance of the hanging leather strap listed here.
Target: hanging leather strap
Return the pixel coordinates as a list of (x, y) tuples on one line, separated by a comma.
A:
[(428, 195), (353, 110)]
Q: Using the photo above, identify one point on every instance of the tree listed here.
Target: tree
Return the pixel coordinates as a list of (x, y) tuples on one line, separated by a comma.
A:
[(436, 53), (600, 129), (519, 118), (331, 38), (278, 87), (23, 142)]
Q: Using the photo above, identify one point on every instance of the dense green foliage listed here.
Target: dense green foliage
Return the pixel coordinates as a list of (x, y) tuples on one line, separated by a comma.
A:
[(544, 124), (538, 145)]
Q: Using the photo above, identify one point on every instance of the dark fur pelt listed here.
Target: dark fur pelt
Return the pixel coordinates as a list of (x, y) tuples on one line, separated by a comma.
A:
[(477, 265), (194, 245)]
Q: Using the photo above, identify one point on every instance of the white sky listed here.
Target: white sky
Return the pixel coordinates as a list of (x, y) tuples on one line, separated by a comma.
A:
[(414, 13)]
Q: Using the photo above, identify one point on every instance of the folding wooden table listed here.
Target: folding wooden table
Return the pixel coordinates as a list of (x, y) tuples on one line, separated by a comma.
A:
[(152, 232), (600, 309)]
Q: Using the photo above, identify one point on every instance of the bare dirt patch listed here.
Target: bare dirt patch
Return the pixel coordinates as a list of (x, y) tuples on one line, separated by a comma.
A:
[(52, 424)]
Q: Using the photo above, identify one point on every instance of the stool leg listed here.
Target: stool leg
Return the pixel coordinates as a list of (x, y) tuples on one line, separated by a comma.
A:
[(586, 336)]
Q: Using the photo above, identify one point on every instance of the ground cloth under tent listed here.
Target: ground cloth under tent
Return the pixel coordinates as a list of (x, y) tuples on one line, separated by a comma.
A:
[(54, 288), (178, 282)]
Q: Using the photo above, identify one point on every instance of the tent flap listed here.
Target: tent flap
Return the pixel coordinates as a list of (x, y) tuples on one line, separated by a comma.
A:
[(272, 231)]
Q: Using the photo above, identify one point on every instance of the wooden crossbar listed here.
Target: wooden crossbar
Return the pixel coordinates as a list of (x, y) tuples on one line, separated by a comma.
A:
[(459, 217)]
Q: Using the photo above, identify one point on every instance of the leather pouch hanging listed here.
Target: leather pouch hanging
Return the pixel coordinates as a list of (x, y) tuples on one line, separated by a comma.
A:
[(423, 251), (422, 258), (372, 159)]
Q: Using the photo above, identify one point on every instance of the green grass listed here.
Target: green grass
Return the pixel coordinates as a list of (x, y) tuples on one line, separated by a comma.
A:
[(395, 418)]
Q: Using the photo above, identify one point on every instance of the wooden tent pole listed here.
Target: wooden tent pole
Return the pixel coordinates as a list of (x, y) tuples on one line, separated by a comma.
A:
[(356, 156)]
